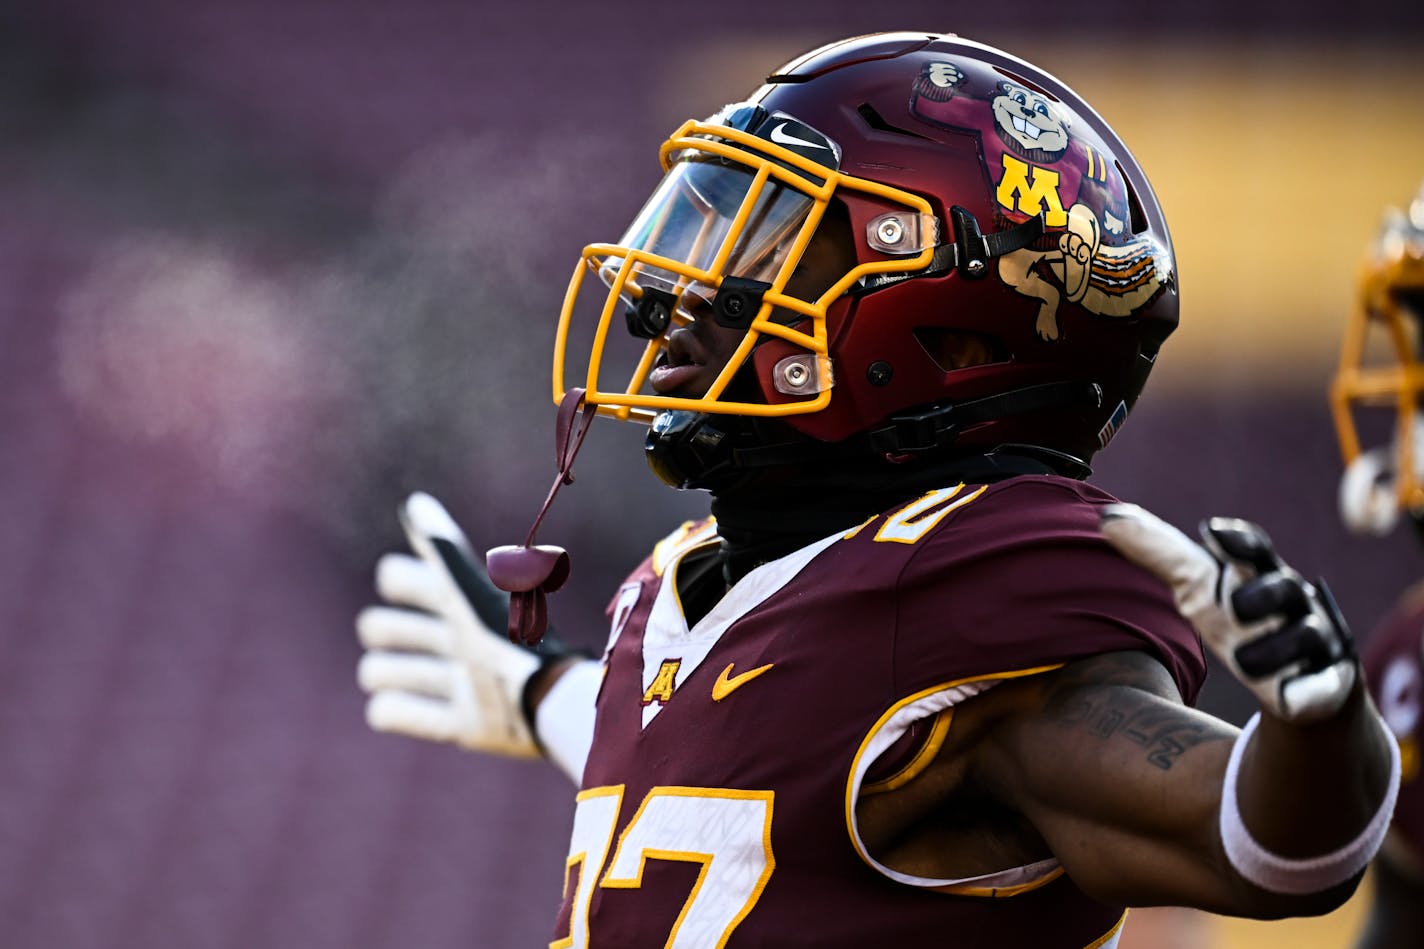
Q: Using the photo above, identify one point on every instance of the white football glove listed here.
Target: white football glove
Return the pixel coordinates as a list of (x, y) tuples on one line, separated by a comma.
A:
[(433, 668), (1280, 635)]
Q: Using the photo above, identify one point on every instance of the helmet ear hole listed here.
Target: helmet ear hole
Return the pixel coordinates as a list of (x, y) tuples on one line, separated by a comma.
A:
[(959, 349)]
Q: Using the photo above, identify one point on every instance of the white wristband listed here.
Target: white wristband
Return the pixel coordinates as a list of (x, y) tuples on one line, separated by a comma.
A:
[(1288, 875), (564, 718)]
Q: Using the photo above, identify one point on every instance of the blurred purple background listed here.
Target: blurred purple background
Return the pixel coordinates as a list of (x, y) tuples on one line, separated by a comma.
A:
[(267, 266)]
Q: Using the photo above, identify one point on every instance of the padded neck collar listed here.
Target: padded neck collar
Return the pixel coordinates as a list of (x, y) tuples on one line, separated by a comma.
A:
[(787, 509)]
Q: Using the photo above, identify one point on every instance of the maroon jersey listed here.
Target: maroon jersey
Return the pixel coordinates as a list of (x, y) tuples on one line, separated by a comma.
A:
[(1394, 667), (718, 800)]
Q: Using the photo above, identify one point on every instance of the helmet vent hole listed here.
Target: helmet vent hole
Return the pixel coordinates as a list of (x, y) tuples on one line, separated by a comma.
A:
[(959, 349), (1137, 220), (877, 121)]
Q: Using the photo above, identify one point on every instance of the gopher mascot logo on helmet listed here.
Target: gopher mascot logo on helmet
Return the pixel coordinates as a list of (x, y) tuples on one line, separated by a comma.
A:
[(1036, 165)]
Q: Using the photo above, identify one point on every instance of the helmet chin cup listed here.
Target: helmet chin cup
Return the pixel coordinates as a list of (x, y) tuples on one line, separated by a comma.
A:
[(687, 450)]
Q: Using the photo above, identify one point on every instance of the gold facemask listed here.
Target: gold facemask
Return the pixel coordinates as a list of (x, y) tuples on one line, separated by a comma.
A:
[(731, 205), (1380, 365)]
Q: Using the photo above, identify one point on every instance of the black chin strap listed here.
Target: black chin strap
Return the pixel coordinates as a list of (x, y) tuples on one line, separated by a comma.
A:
[(929, 429), (939, 425)]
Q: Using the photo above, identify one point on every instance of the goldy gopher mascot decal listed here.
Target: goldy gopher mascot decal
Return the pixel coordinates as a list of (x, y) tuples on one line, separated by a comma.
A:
[(1037, 165)]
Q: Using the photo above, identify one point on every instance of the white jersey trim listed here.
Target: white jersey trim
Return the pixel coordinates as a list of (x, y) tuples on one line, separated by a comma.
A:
[(886, 732), (667, 637)]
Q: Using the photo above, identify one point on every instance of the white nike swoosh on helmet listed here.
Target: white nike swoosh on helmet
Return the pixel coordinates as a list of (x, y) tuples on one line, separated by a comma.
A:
[(780, 136)]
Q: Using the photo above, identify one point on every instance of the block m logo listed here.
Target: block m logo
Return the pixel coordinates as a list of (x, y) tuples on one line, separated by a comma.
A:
[(1029, 190)]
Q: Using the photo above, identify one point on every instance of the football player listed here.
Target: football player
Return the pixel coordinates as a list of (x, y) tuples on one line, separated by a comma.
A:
[(1378, 487), (915, 680)]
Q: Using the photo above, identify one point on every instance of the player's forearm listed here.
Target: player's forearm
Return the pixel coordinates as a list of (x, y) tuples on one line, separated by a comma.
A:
[(559, 704), (1312, 799), (1309, 785), (544, 679)]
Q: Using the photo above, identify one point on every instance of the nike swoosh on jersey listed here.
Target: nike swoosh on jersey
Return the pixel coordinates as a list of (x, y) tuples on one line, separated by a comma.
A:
[(780, 136), (727, 683)]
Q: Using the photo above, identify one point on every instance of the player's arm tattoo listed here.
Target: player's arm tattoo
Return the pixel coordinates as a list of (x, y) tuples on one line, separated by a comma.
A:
[(1164, 733), (1121, 700)]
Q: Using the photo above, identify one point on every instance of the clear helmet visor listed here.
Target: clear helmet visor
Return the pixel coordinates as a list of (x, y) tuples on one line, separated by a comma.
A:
[(715, 218)]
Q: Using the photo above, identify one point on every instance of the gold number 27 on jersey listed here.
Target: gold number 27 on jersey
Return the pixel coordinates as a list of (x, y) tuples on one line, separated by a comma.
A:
[(727, 831)]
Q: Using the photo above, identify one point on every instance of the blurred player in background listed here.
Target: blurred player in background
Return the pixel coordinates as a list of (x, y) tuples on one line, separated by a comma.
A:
[(918, 681), (1380, 366)]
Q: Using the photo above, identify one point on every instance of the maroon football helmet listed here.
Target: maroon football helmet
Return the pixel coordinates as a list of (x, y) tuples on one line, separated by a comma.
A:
[(1011, 279)]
